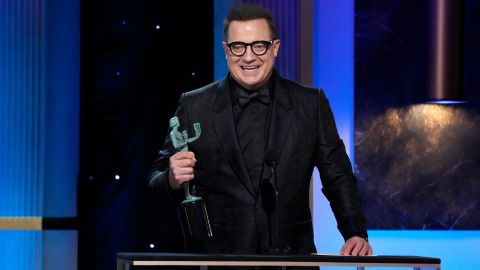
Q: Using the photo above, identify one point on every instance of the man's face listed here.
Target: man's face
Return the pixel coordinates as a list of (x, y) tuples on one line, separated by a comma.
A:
[(250, 70)]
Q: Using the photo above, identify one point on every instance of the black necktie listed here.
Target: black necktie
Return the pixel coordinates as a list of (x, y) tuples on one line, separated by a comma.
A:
[(246, 96)]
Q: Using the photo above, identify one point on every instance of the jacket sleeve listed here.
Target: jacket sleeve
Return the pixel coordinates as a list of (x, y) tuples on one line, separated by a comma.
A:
[(338, 180), (158, 176)]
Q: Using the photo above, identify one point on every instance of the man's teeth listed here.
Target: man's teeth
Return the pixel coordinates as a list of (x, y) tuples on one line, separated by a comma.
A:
[(250, 68)]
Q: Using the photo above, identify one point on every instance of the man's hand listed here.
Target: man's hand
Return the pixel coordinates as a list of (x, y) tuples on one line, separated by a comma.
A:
[(356, 246), (181, 169)]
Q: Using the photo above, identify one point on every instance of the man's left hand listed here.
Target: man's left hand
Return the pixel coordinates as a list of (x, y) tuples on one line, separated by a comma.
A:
[(356, 246)]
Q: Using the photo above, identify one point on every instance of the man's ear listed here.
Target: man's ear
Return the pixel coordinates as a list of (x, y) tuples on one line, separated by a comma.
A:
[(225, 49), (276, 45)]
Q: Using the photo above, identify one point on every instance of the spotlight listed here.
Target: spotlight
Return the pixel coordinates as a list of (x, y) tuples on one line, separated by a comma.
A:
[(447, 53)]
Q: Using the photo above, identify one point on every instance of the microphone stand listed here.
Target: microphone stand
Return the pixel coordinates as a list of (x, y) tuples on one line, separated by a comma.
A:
[(275, 184), (276, 249)]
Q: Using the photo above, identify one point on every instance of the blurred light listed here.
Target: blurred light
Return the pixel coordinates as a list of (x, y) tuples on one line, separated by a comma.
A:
[(157, 26), (193, 73), (118, 73), (447, 102), (152, 245), (90, 178), (124, 22), (430, 121), (117, 177)]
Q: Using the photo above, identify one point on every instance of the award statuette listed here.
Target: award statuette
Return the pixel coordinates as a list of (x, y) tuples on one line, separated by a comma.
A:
[(195, 220)]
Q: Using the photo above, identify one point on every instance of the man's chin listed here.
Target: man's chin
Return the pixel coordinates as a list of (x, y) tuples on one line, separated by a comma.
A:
[(250, 83)]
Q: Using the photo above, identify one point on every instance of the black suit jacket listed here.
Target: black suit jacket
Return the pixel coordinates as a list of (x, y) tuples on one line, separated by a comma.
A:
[(302, 131)]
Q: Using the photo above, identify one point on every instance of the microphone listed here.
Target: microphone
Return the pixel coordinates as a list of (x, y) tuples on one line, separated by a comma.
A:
[(271, 159)]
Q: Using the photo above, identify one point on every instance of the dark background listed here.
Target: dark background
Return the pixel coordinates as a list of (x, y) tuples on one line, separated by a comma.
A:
[(132, 75)]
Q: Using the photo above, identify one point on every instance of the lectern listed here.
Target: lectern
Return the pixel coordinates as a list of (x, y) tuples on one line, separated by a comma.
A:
[(128, 261)]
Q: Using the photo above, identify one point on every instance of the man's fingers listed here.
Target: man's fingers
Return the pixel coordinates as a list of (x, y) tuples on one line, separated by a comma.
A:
[(182, 160), (357, 247), (179, 171), (183, 163), (176, 180), (184, 178), (364, 251), (346, 249), (184, 155), (181, 168)]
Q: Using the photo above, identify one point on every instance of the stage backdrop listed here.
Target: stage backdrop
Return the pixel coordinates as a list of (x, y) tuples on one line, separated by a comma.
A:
[(418, 164), (137, 58)]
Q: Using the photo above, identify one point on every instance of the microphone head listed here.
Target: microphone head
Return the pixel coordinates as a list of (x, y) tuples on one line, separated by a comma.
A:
[(271, 157)]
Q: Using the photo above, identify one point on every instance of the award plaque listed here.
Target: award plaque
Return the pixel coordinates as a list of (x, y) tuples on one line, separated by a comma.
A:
[(194, 215)]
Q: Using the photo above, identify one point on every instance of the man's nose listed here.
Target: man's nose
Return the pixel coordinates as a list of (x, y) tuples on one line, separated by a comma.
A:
[(249, 55)]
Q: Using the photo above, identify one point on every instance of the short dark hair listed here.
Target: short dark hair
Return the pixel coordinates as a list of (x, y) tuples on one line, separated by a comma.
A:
[(247, 12)]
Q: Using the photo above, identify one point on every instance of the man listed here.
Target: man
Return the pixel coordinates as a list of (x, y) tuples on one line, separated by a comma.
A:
[(254, 123)]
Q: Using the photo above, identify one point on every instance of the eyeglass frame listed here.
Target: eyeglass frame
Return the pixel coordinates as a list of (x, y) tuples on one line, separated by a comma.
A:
[(268, 42)]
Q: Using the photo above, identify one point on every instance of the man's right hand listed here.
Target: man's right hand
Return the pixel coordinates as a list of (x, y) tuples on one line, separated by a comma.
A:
[(181, 169)]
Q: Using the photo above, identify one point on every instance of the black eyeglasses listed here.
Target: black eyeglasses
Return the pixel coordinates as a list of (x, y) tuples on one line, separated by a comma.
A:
[(259, 47)]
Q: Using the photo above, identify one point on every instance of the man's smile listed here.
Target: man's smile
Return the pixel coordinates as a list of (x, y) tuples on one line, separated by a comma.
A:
[(250, 67)]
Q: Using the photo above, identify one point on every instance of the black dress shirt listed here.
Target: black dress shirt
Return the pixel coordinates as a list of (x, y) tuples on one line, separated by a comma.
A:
[(250, 112)]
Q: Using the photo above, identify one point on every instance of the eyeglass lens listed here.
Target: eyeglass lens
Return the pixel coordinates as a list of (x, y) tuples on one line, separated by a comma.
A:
[(258, 47)]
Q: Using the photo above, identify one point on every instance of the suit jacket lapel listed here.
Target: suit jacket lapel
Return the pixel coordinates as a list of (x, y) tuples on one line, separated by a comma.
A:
[(280, 122), (226, 132)]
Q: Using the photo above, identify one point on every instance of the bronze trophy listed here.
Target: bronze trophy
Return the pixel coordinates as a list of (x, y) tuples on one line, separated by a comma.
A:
[(194, 215)]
